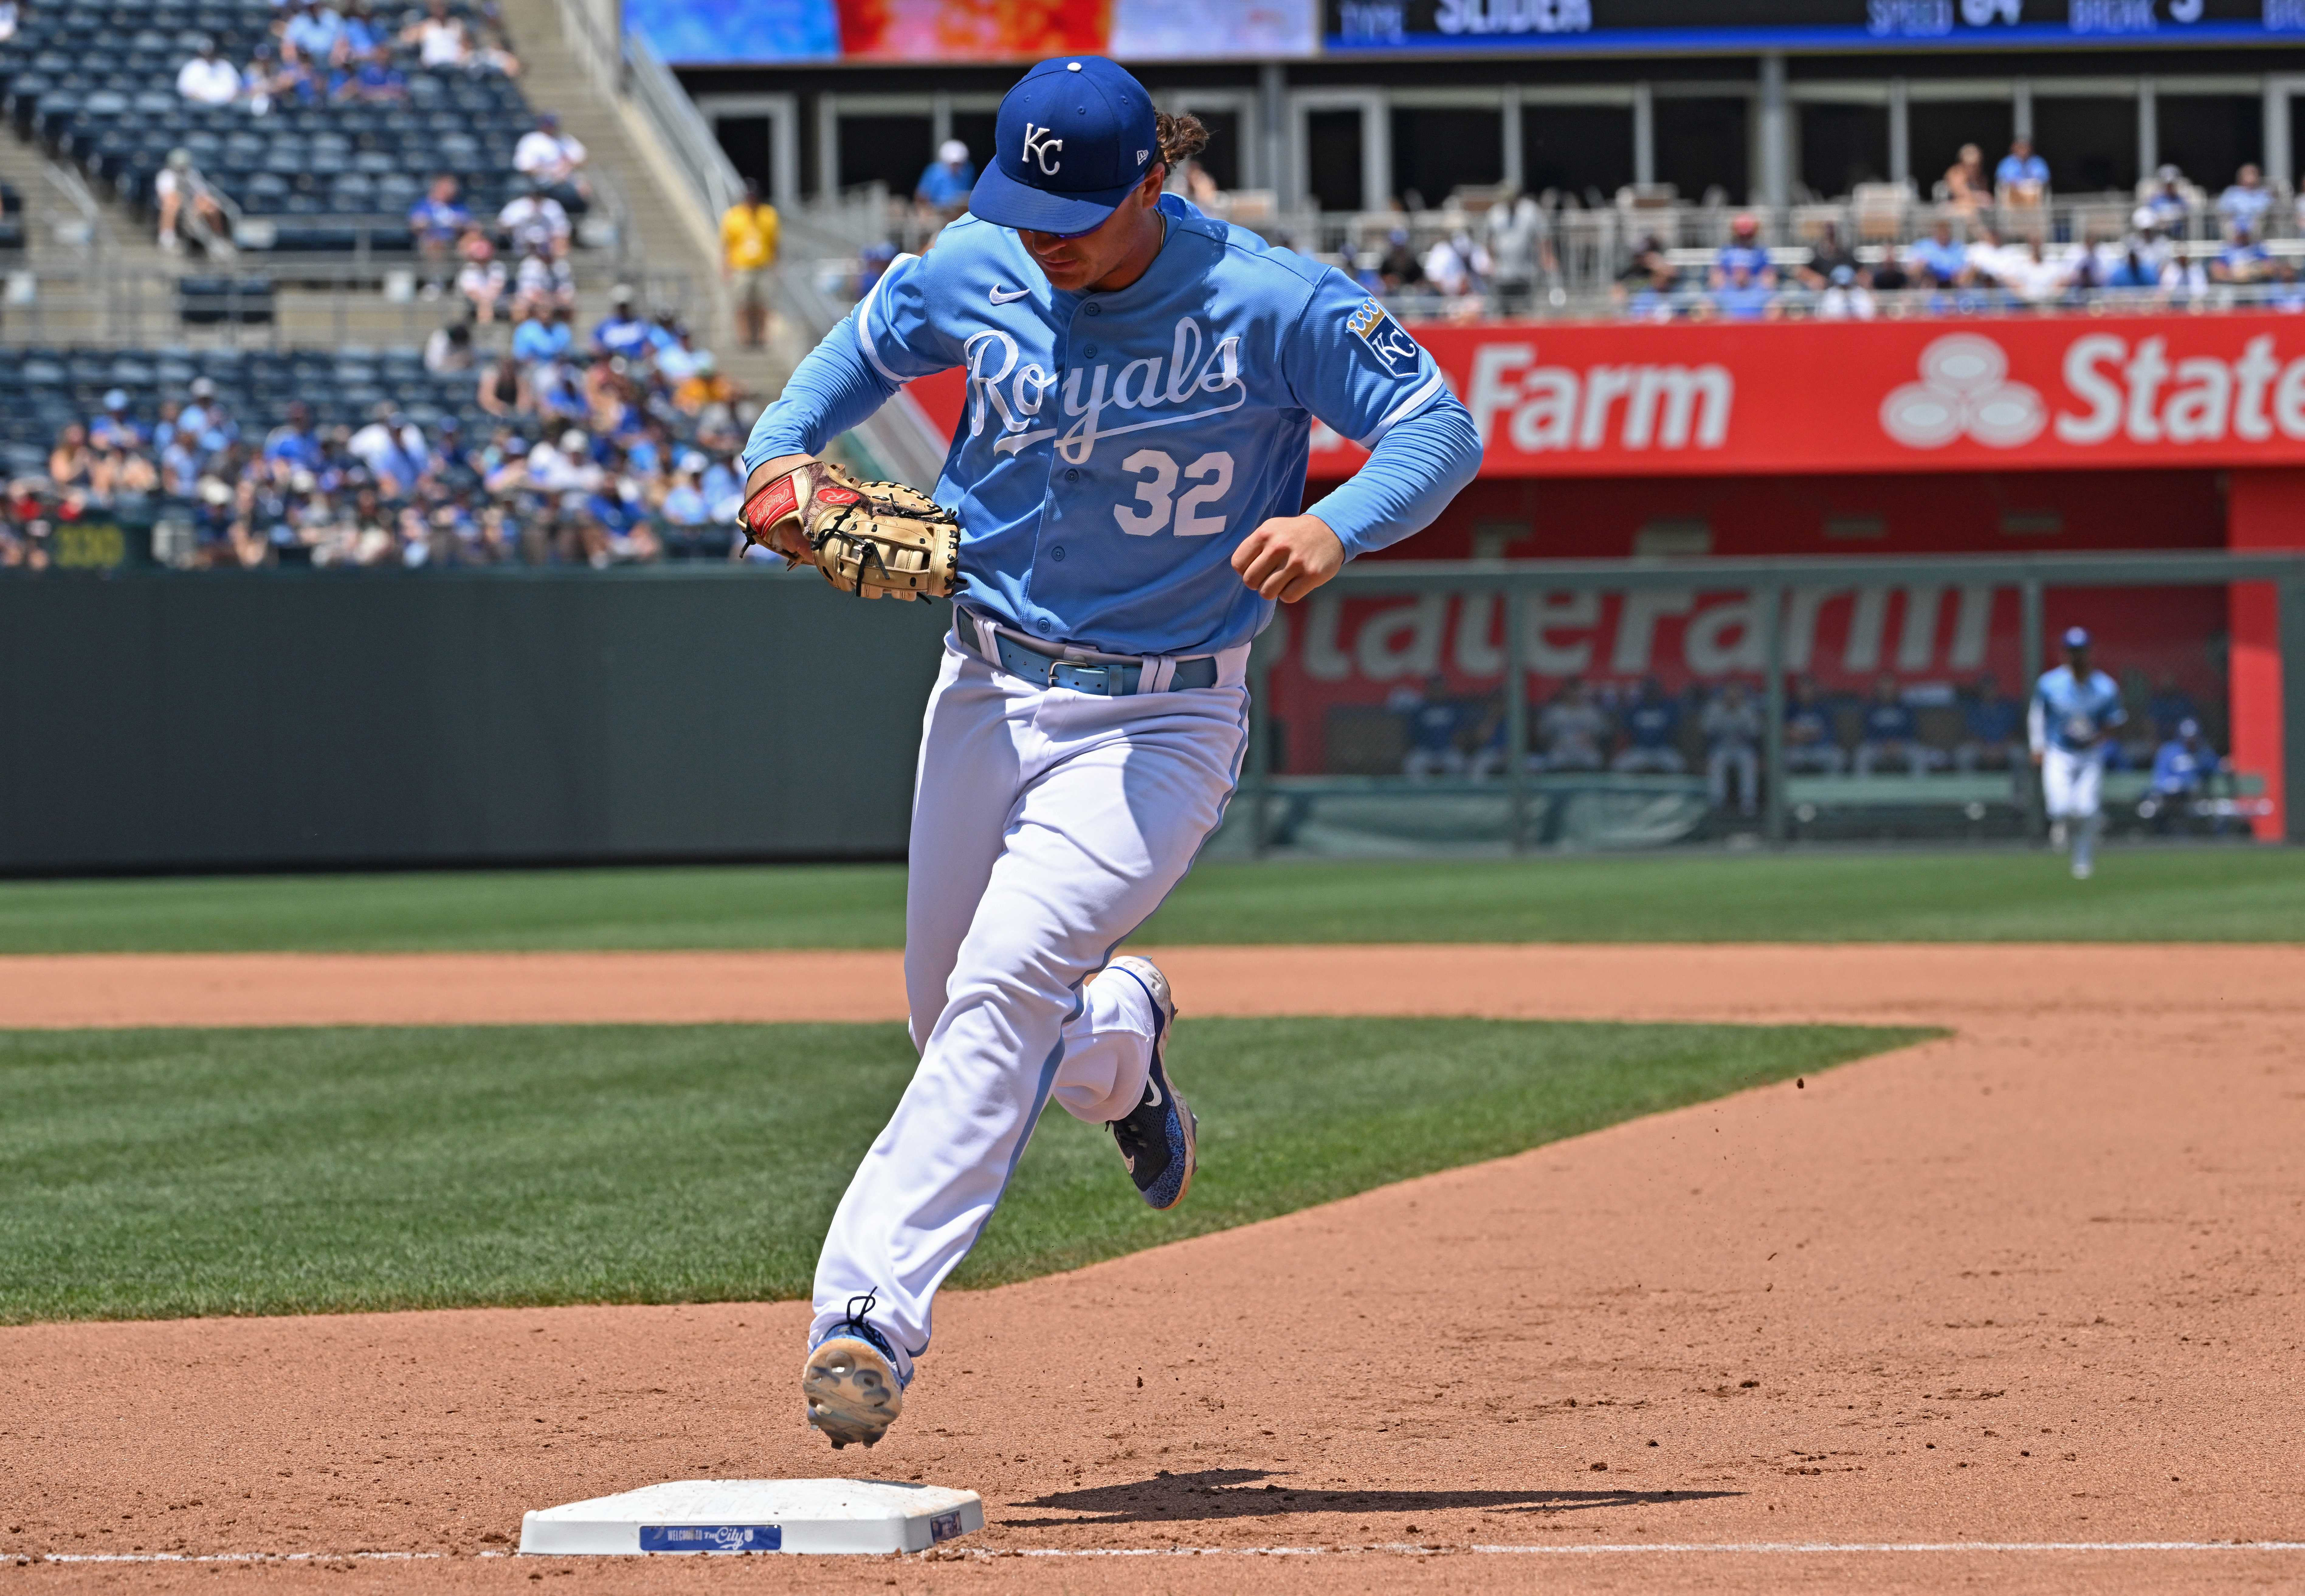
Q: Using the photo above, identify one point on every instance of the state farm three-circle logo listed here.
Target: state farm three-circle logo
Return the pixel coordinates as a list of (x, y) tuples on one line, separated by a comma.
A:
[(1964, 392)]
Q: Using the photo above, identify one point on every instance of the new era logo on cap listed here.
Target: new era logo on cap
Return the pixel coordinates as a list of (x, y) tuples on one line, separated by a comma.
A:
[(1063, 144)]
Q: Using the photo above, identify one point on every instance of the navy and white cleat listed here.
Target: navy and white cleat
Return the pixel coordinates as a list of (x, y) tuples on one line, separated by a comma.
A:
[(1157, 1139), (850, 1380)]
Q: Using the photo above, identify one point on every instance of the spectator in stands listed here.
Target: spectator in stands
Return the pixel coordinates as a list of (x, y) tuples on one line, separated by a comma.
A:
[(1645, 288), (292, 447), (449, 348), (706, 387), (206, 79), (2035, 275), (436, 222), (684, 504), (1400, 270), (1993, 735), (1825, 257), (1433, 720), (481, 280), (2138, 262), (1966, 189), (260, 80), (622, 332), (532, 219), (188, 205), (441, 40), (1743, 250), (495, 56), (2022, 177), (1571, 730), (2171, 211), (1651, 724), (1741, 298), (748, 254), (554, 161), (371, 80), (1454, 269), (1938, 259), (943, 190), (1890, 731), (116, 427), (2242, 208), (69, 461), (2244, 262), (1520, 246), (312, 30), (2182, 768), (393, 448), (544, 336), (7, 21), (545, 277), (1733, 728), (1812, 744), (1846, 298)]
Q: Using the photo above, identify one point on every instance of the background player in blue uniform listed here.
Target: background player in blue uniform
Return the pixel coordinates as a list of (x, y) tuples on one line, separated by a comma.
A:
[(1129, 477), (2074, 707)]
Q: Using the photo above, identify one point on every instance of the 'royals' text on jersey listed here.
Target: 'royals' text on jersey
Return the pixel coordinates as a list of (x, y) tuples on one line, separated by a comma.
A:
[(1116, 447), (2071, 712)]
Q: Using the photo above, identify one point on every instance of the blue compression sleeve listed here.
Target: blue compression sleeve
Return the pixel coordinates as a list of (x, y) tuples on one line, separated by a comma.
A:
[(1410, 477), (831, 390)]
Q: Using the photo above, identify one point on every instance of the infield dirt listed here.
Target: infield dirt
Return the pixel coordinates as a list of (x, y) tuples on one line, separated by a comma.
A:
[(2035, 1282)]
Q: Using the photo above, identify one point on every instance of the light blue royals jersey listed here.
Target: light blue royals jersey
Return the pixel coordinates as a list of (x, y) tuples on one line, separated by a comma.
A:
[(2070, 713), (1116, 447)]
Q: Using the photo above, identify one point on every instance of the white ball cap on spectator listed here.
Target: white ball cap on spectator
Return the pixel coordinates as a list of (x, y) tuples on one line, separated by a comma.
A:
[(952, 152), (572, 442)]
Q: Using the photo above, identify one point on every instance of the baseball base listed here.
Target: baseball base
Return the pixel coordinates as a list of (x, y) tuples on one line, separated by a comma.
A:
[(755, 1516)]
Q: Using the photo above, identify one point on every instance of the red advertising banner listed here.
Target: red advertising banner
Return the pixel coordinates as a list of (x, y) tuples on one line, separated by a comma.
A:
[(1603, 399)]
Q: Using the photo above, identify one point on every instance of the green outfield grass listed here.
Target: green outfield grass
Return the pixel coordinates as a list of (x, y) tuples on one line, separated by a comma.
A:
[(166, 1173), (2189, 894)]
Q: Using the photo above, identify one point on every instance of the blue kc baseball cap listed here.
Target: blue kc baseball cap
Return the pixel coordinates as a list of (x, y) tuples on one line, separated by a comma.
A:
[(2077, 637), (1073, 137)]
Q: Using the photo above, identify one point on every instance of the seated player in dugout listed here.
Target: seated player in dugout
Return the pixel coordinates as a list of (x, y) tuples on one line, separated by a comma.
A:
[(1129, 480)]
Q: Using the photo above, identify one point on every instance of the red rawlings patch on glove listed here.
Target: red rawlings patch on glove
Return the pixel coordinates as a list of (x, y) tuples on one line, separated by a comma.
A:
[(837, 495)]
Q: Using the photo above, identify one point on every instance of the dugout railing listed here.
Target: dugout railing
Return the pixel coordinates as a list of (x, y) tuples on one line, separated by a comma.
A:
[(1771, 585)]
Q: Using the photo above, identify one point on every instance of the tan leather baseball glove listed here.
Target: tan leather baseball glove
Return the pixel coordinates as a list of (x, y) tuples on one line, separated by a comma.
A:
[(874, 539)]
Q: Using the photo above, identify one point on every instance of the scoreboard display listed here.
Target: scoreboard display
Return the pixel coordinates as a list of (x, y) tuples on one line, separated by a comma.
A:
[(1597, 27)]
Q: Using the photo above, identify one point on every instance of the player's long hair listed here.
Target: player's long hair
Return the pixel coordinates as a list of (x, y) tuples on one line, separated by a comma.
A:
[(1182, 138)]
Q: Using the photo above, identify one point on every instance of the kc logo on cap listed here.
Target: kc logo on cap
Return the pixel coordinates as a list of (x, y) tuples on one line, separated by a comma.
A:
[(1038, 147)]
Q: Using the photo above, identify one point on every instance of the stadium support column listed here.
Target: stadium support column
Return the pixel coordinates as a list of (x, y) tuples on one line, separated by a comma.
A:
[(1771, 622), (2265, 509), (1273, 170), (1776, 135), (1515, 720), (1644, 134), (2032, 648), (1901, 132)]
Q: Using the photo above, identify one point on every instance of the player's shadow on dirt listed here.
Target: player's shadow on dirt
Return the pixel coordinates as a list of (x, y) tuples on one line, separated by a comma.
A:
[(1255, 1493)]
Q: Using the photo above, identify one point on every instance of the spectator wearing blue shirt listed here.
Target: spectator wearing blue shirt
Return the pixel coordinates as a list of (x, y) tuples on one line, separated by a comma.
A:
[(1812, 742), (1651, 724), (1742, 298), (375, 82), (2242, 260), (2242, 208), (116, 427), (543, 337), (436, 222), (1944, 261), (2022, 177), (314, 30), (1992, 735), (1745, 250), (944, 187), (622, 332), (290, 446), (356, 35), (1889, 730), (2182, 768), (1433, 721)]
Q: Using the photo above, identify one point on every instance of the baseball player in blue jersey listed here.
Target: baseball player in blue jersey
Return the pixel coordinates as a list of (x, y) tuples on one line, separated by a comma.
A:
[(1128, 477), (2074, 707)]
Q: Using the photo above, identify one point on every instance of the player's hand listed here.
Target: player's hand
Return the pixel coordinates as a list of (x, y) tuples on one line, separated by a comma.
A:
[(789, 541), (1289, 557)]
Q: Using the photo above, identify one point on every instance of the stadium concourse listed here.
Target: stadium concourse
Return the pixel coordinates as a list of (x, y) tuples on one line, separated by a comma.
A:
[(2001, 1307)]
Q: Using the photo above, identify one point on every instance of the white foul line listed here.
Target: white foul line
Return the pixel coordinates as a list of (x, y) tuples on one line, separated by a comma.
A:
[(1408, 1548)]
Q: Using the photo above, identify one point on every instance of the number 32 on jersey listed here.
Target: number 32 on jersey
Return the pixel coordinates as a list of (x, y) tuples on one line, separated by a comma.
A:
[(1158, 502)]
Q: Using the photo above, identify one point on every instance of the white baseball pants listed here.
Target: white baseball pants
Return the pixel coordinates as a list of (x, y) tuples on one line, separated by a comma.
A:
[(2070, 782), (1047, 826)]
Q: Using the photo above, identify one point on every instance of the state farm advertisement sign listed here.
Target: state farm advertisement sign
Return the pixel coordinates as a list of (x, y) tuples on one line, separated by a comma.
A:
[(1709, 399), (1593, 399)]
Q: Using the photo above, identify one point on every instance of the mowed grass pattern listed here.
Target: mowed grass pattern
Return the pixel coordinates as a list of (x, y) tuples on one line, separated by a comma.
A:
[(2236, 894), (170, 1173)]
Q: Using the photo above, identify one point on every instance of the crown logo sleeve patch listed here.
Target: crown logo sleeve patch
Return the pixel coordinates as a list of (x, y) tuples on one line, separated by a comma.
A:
[(1392, 347)]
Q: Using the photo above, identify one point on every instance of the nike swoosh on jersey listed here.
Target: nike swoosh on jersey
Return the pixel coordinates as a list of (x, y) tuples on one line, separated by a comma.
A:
[(1000, 297)]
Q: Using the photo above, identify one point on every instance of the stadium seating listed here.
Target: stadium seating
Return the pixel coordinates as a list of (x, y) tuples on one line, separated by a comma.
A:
[(96, 83)]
